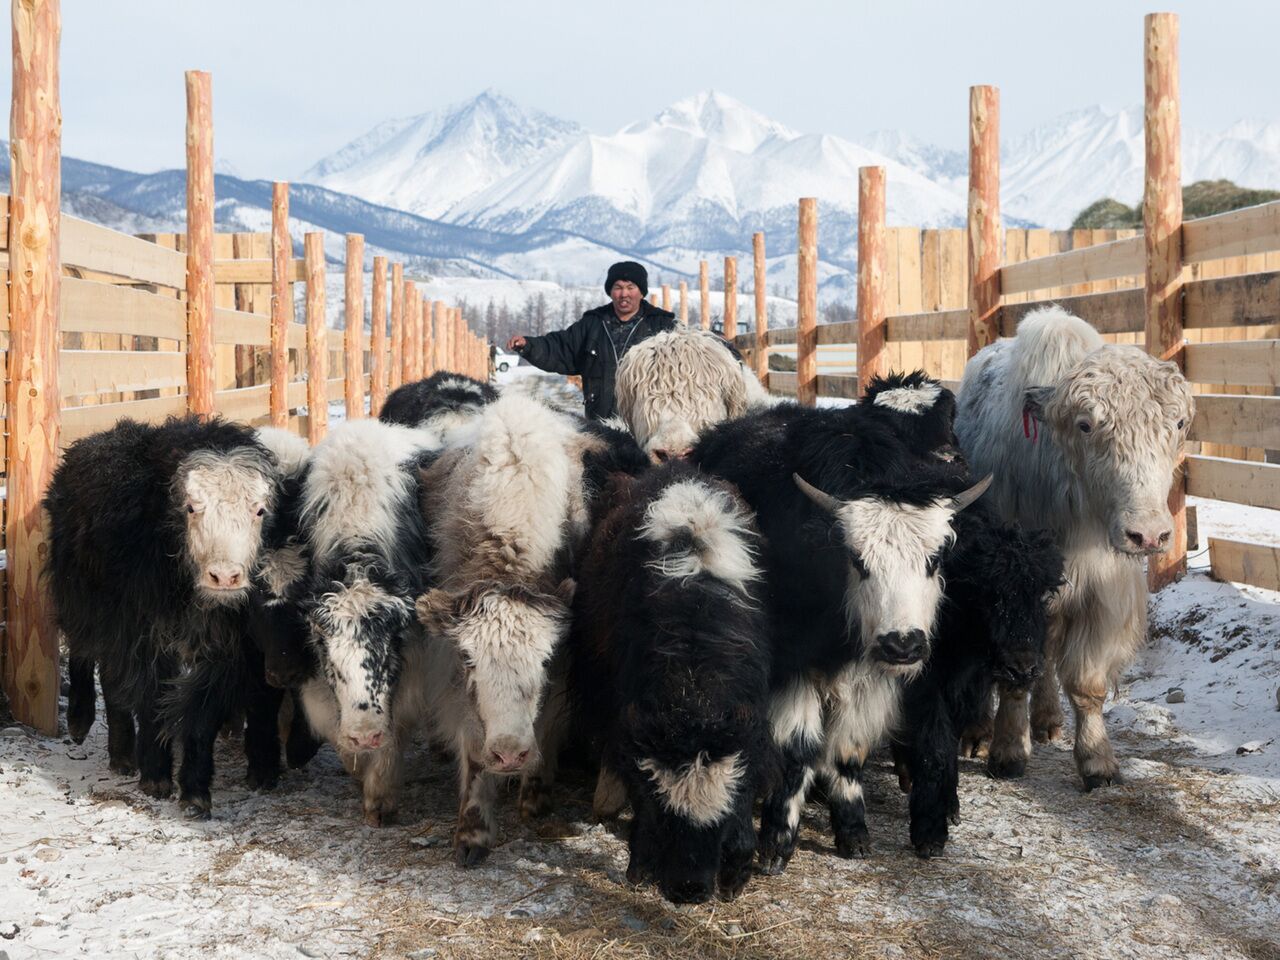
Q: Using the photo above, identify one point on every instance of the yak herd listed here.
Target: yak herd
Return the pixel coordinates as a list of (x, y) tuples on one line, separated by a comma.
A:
[(717, 600)]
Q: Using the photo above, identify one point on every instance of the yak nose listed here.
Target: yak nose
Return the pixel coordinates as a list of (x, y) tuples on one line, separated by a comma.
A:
[(224, 576), (689, 891), (902, 648), (1019, 669), (1150, 541), (662, 454), (508, 760), (364, 741)]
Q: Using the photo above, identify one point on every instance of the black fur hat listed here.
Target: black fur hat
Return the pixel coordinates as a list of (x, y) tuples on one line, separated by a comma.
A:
[(628, 270)]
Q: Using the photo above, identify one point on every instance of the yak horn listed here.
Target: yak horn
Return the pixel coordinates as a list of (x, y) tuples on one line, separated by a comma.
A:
[(966, 498), (825, 500)]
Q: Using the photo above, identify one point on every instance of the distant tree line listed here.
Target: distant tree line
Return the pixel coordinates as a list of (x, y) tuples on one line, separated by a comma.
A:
[(1203, 198)]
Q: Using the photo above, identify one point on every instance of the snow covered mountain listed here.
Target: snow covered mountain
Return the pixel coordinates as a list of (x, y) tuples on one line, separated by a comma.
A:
[(1056, 170), (694, 181), (426, 164)]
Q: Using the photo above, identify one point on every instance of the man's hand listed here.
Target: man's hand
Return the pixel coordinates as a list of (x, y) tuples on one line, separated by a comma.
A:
[(516, 343)]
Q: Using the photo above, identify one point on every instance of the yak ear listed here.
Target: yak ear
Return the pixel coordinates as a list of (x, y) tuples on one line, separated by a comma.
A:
[(436, 608), (1035, 400)]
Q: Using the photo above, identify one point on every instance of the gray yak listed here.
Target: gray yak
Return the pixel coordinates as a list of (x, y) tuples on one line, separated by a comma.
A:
[(1083, 438)]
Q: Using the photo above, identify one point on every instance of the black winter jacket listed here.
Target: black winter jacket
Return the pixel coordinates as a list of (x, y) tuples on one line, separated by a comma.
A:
[(586, 349)]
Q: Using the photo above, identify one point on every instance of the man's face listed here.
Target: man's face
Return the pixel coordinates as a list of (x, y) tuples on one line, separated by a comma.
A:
[(626, 297)]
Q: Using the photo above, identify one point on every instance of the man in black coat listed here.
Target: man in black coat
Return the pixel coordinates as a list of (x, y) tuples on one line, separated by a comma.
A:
[(592, 347)]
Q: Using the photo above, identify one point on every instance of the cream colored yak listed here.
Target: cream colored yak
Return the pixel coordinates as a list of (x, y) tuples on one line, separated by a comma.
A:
[(1083, 438)]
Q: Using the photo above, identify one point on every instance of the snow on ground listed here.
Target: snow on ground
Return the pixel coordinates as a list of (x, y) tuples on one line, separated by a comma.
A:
[(1181, 859)]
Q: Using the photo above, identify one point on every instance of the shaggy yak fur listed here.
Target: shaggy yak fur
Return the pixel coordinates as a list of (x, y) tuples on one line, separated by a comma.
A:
[(674, 385), (361, 523), (919, 409), (856, 526), (441, 403), (155, 533), (991, 631), (669, 674), (1083, 438), (507, 511)]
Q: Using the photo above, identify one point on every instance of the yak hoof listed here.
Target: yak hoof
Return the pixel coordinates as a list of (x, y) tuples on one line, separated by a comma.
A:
[(854, 846), (379, 818), (1046, 732), (263, 779), (124, 766), (160, 789), (470, 854), (196, 808), (534, 803), (773, 864), (930, 849), (904, 780), (975, 748), (954, 817), (78, 727), (1095, 780), (1006, 768)]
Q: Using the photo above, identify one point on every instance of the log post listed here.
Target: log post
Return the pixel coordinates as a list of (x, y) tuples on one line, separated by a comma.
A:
[(684, 303), (438, 359), (985, 234), (378, 338), (666, 296), (353, 332), (455, 340), (871, 279), (428, 338), (200, 283), (704, 289), (411, 315), (730, 326), (317, 340), (397, 324), (281, 303), (807, 304), (760, 356), (1162, 229), (35, 145)]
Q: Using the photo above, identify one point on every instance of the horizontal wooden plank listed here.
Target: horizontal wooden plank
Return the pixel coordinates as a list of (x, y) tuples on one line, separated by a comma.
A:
[(840, 386), (90, 307), (296, 396), (1236, 233), (1103, 261), (1238, 562), (833, 334), (1237, 420), (335, 388), (1249, 363), (243, 404), (1244, 300), (83, 372), (93, 247), (1116, 311), (782, 335), (782, 383), (252, 271), (935, 325), (236, 326), (1236, 481), (79, 422)]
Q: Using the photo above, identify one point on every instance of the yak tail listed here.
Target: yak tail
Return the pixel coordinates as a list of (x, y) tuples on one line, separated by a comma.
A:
[(698, 529)]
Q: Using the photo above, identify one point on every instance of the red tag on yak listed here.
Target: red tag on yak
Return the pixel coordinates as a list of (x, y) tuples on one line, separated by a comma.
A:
[(1030, 426)]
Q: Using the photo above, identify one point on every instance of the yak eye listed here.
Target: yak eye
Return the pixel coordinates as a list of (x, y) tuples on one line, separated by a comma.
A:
[(858, 565), (190, 508), (1180, 424), (1084, 426), (262, 511), (931, 567)]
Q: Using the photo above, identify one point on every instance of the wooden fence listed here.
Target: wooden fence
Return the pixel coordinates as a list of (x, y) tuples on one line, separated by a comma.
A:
[(101, 325), (1204, 293)]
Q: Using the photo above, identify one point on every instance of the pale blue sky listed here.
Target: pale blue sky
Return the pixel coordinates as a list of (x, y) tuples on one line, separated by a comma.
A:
[(294, 79)]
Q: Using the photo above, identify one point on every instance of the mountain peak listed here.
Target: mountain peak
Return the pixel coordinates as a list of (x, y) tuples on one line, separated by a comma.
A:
[(719, 118)]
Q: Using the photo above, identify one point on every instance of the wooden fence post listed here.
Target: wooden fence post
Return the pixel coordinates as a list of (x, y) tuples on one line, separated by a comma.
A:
[(438, 340), (704, 288), (317, 340), (807, 304), (281, 303), (985, 234), (1162, 227), (31, 638), (200, 283), (378, 338), (424, 338), (411, 315), (871, 279), (760, 355), (353, 332), (666, 296), (684, 303), (729, 328), (397, 324)]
